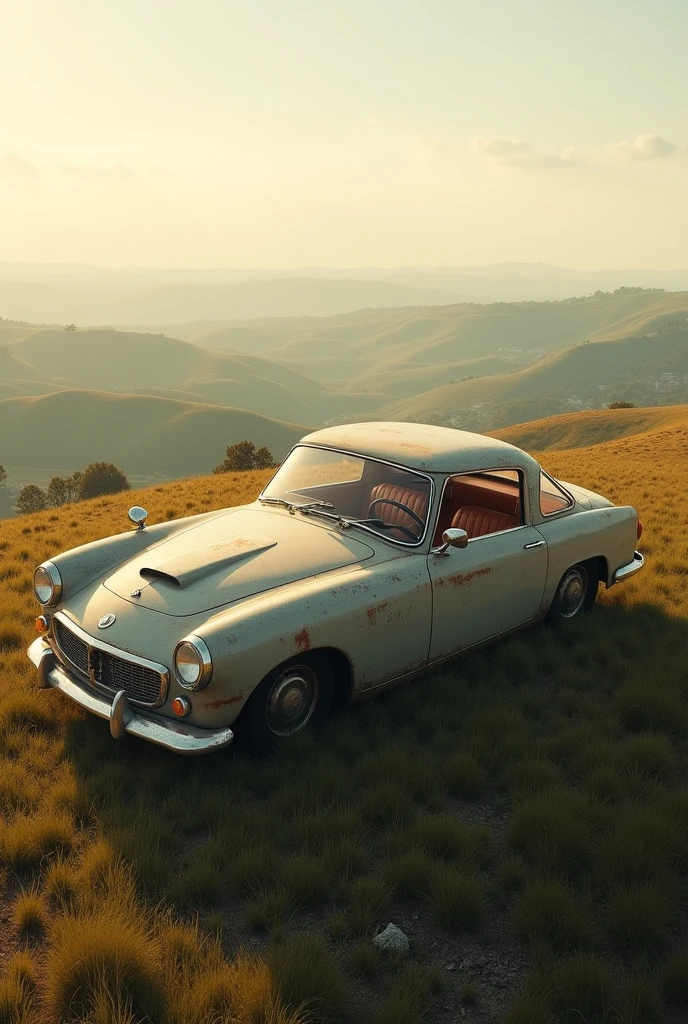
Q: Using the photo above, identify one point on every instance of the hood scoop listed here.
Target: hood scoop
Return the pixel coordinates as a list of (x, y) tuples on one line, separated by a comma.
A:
[(190, 566)]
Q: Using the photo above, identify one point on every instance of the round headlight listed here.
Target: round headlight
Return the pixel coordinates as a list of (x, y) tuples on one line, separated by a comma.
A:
[(192, 663), (47, 584)]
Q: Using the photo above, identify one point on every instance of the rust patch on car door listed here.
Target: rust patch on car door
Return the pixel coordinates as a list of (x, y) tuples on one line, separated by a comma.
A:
[(462, 579)]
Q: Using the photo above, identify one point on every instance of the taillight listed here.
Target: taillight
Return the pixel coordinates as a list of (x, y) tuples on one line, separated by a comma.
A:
[(640, 529)]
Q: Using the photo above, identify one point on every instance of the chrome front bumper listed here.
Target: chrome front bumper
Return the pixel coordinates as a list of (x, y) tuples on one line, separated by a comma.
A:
[(631, 569), (125, 719)]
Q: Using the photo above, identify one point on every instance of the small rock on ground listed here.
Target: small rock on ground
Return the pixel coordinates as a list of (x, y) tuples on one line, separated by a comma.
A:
[(392, 940)]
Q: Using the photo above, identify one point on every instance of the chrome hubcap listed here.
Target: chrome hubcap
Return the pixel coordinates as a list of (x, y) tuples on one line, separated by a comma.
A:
[(572, 592), (292, 700)]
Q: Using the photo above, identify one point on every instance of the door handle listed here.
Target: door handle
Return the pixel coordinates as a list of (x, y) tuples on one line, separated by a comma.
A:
[(534, 544)]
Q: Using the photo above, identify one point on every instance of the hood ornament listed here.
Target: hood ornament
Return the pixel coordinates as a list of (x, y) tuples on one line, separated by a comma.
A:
[(106, 620)]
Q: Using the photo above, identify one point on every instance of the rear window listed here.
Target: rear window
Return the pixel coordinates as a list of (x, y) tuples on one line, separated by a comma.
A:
[(553, 498)]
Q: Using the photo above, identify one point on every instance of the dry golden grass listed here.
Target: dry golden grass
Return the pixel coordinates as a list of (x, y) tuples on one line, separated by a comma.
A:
[(117, 844)]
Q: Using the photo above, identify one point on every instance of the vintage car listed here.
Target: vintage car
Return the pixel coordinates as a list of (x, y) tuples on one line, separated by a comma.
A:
[(375, 550)]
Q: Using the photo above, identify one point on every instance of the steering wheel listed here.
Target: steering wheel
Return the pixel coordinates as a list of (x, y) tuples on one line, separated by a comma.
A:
[(404, 508)]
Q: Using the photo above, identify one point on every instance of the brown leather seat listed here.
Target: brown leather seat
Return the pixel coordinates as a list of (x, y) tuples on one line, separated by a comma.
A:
[(478, 521), (415, 500)]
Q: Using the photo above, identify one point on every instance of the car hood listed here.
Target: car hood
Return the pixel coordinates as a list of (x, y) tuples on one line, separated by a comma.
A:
[(236, 555)]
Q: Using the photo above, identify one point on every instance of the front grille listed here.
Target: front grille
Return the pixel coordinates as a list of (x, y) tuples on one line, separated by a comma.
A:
[(140, 683)]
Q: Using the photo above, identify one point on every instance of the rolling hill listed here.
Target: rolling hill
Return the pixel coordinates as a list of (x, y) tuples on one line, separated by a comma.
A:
[(627, 368), (43, 361), (144, 435), (387, 351)]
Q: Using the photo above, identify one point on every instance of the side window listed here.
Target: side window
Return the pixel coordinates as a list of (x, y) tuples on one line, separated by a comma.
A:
[(482, 503), (552, 497)]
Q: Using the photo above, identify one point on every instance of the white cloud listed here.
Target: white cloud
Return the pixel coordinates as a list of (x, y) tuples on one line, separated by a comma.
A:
[(643, 147), (520, 153), (431, 144)]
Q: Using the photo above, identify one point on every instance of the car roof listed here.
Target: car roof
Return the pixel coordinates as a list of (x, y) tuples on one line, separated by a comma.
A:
[(421, 446)]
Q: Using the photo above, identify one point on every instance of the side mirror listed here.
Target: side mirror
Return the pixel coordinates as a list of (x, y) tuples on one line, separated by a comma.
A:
[(451, 538), (138, 516)]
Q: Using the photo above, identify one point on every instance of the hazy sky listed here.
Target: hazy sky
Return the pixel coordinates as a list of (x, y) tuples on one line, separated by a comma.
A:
[(320, 132)]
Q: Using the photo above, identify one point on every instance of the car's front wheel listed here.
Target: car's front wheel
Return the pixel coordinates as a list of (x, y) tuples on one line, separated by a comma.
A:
[(295, 696), (575, 594)]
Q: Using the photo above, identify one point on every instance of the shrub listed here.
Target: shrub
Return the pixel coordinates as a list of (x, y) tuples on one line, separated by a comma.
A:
[(102, 950), (307, 976), (102, 478), (584, 990), (463, 776), (409, 875), (553, 830), (675, 978), (29, 914), (645, 845), (244, 455), (548, 914), (306, 879), (367, 898), (457, 900), (447, 838), (640, 917), (30, 499)]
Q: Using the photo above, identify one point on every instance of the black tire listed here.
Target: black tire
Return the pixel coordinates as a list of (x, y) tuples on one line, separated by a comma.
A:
[(575, 594), (295, 696)]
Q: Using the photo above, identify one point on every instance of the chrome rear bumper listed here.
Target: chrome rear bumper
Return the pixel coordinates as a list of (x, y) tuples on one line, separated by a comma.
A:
[(124, 719), (631, 569)]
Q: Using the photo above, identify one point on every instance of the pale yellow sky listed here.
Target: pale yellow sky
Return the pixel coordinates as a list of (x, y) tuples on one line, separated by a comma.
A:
[(422, 133)]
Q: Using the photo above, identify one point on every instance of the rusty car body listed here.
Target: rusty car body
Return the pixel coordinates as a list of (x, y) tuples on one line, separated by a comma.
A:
[(377, 549)]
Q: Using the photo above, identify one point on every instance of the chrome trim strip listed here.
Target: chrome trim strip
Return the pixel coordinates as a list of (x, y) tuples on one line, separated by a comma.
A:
[(522, 490), (54, 574), (116, 652), (207, 662), (626, 571), (171, 734), (560, 487), (382, 462)]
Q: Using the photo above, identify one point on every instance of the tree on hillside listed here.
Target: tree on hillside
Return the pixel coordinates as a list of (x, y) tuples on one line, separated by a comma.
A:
[(244, 455), (31, 499), (102, 478), (622, 405), (70, 327), (3, 476), (62, 490)]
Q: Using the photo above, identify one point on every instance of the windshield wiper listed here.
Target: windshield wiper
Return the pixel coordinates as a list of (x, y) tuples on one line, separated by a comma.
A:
[(293, 506)]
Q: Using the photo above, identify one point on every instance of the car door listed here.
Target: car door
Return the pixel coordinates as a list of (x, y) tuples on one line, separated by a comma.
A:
[(492, 585)]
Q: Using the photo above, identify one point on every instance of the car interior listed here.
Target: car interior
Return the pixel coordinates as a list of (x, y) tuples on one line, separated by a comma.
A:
[(479, 503)]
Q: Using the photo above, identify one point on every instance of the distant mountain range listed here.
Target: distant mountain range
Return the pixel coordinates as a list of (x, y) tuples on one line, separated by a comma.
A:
[(66, 293), (162, 405)]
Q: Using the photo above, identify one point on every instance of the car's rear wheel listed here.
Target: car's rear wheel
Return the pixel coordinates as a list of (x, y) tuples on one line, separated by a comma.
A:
[(575, 594), (295, 696)]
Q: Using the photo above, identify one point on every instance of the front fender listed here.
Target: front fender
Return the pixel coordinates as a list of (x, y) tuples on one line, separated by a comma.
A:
[(378, 617)]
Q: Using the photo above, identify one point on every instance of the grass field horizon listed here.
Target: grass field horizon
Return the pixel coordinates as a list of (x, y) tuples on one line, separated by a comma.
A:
[(522, 813)]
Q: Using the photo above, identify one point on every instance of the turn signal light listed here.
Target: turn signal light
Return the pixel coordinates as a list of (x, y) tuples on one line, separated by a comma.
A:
[(640, 529), (42, 624), (181, 706)]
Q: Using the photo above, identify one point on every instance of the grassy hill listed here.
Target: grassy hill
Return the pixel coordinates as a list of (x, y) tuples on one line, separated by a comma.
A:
[(43, 361), (585, 429), (143, 435), (522, 813), (601, 371), (381, 350)]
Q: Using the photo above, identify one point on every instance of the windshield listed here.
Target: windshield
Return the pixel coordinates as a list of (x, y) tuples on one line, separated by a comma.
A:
[(388, 500)]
